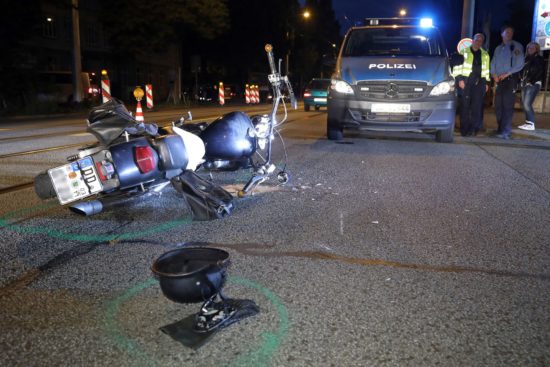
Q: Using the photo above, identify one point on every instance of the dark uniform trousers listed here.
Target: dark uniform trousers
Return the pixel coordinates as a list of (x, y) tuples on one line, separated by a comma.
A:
[(471, 112), (504, 105)]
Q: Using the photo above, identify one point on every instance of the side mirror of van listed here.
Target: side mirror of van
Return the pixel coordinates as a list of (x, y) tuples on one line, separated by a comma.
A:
[(456, 59)]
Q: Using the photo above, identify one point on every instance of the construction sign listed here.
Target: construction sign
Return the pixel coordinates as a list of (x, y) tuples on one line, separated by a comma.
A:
[(541, 24), (464, 44)]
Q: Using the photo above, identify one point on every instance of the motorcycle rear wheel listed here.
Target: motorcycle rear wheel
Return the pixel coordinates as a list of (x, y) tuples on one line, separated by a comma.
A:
[(43, 186)]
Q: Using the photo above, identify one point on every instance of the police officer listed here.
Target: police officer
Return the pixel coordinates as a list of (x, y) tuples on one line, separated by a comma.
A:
[(473, 78), (506, 63)]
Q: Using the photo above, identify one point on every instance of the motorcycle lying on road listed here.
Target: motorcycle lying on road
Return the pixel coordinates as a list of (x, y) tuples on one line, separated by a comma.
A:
[(132, 159)]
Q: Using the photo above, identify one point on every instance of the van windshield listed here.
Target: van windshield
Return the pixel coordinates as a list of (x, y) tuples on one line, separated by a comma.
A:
[(410, 41)]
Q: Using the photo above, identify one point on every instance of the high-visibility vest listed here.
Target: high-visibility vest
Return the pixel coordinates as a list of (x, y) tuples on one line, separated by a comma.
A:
[(466, 68)]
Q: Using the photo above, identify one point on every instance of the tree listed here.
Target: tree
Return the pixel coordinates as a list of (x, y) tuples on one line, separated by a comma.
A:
[(18, 21), (237, 53), (521, 19), (317, 39), (137, 26)]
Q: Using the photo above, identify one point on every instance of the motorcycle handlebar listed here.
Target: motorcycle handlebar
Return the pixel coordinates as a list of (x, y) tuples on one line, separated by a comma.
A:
[(269, 50), (271, 59)]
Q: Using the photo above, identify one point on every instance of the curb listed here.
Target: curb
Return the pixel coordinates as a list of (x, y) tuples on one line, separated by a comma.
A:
[(542, 134)]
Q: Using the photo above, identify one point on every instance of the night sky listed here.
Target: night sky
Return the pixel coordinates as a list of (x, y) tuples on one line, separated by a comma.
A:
[(447, 14)]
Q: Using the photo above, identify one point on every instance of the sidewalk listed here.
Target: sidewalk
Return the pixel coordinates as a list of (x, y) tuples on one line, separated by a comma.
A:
[(542, 131)]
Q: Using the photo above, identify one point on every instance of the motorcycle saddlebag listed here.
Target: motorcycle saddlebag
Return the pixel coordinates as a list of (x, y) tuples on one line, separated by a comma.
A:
[(206, 200), (109, 120)]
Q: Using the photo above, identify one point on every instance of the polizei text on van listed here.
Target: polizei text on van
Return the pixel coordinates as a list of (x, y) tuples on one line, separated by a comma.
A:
[(392, 66)]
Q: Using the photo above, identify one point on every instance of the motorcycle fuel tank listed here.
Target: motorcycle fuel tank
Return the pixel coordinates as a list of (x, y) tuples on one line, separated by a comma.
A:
[(231, 136)]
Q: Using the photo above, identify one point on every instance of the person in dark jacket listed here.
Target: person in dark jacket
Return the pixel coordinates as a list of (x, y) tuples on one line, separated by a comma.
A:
[(531, 82)]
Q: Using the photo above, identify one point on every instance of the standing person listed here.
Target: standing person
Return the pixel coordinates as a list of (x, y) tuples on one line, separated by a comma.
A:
[(507, 61), (473, 78), (531, 82)]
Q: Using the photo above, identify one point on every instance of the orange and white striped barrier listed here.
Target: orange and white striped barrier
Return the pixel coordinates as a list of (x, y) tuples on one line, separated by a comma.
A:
[(149, 95), (221, 94), (105, 87), (247, 94), (139, 113)]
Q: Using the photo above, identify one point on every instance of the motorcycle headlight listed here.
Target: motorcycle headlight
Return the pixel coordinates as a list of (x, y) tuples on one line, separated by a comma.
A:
[(341, 86), (445, 87)]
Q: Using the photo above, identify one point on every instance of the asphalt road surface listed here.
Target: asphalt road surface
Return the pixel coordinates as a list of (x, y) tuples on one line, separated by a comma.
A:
[(383, 250)]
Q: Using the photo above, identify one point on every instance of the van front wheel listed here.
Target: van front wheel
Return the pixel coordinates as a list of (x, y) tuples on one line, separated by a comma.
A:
[(446, 135)]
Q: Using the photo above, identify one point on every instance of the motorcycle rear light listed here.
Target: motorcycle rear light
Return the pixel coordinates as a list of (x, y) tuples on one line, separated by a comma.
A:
[(105, 170), (145, 159), (307, 94), (100, 172)]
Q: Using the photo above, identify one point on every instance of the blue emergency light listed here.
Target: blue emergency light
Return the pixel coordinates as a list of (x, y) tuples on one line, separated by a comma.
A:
[(426, 22)]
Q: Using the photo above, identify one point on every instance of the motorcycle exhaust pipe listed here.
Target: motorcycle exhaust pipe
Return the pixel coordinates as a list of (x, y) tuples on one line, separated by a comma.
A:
[(92, 207), (87, 208)]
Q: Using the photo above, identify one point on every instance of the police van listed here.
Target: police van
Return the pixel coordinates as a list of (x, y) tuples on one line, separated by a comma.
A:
[(392, 75)]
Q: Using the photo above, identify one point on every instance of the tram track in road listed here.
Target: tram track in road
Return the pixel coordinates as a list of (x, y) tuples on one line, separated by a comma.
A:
[(164, 122), (39, 136), (43, 150), (26, 185), (18, 187)]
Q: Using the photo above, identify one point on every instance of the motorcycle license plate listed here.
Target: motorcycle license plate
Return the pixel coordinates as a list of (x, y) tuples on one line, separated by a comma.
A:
[(75, 181)]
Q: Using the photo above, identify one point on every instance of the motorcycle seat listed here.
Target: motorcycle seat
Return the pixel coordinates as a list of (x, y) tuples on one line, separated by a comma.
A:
[(171, 151)]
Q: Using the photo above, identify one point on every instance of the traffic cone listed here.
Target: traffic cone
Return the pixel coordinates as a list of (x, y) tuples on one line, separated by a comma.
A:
[(139, 113), (247, 94)]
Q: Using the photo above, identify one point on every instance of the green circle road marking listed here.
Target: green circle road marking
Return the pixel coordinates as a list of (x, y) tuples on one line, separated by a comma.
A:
[(112, 327), (272, 341), (56, 233), (258, 357)]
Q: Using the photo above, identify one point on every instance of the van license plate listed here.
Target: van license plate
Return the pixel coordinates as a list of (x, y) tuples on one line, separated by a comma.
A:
[(75, 181), (390, 107)]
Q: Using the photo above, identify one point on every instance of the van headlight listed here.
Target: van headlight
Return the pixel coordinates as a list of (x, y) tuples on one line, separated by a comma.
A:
[(341, 86), (445, 87)]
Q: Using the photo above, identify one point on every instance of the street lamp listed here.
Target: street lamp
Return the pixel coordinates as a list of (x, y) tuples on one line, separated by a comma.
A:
[(306, 14), (402, 12)]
